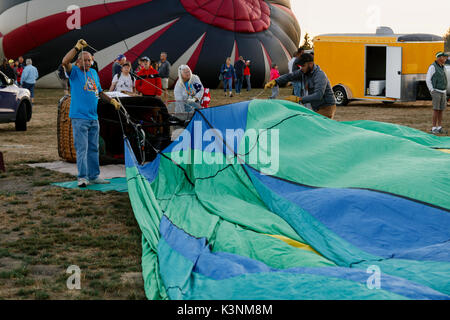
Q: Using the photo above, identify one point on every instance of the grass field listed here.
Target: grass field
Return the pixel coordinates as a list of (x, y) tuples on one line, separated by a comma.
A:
[(45, 229)]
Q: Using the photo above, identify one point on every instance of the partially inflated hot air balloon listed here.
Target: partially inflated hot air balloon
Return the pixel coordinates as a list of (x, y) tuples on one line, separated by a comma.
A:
[(200, 33)]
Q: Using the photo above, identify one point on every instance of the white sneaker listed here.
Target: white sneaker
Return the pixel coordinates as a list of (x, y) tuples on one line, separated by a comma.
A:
[(99, 181), (83, 183)]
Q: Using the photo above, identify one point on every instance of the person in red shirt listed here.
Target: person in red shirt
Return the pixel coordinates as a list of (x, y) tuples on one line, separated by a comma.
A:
[(148, 80), (247, 75), (19, 70)]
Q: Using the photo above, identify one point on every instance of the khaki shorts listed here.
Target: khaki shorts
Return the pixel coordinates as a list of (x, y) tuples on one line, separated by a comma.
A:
[(165, 83), (328, 112), (439, 100)]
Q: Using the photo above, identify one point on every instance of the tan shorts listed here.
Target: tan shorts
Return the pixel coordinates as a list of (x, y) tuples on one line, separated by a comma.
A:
[(328, 112), (439, 100), (165, 83)]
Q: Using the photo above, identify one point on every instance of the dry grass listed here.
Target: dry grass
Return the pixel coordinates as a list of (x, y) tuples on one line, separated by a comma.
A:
[(45, 229)]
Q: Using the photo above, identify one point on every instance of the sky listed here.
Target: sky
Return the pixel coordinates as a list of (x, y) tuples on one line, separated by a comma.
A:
[(363, 16)]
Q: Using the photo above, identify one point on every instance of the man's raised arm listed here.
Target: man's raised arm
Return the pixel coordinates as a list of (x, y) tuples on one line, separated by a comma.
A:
[(67, 60)]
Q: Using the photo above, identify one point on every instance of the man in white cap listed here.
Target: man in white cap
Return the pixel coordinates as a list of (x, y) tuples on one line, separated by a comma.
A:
[(437, 83)]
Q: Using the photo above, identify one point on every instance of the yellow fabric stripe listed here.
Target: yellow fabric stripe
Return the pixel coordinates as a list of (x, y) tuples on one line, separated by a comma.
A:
[(445, 150), (294, 243)]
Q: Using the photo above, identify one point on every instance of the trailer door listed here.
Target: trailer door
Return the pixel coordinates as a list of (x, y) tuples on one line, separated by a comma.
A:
[(394, 72)]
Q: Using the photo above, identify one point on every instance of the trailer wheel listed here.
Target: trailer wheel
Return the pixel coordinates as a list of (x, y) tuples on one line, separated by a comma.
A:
[(341, 96)]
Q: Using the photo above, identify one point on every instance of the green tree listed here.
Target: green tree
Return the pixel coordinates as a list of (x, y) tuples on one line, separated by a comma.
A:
[(307, 42), (447, 40)]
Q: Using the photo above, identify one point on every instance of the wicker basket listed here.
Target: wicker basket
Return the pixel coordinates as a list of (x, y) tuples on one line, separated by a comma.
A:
[(66, 148), (147, 109)]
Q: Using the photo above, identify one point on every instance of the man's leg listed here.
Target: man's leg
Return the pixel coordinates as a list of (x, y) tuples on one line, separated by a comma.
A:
[(93, 154), (165, 86), (80, 137), (249, 83), (442, 107), (240, 84), (32, 92), (297, 88), (435, 118), (436, 104), (440, 114)]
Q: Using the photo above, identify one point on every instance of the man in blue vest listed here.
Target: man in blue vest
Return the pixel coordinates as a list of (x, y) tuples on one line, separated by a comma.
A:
[(437, 84)]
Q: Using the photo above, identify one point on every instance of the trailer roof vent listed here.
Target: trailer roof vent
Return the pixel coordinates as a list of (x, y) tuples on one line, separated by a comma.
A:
[(384, 31)]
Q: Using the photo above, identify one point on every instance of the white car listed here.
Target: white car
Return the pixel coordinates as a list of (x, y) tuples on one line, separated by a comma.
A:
[(15, 103)]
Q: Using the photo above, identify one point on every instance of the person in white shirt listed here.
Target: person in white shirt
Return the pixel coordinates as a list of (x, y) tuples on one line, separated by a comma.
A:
[(124, 82), (297, 54), (291, 62), (297, 85), (188, 90)]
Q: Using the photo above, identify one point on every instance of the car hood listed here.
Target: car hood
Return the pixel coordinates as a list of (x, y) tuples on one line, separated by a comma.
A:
[(21, 92)]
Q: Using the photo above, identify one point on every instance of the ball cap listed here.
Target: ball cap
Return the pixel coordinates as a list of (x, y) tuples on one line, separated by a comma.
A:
[(11, 61), (145, 58), (441, 54), (120, 57)]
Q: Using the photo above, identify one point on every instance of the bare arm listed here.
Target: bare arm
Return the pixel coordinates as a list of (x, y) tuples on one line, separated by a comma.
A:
[(66, 62), (113, 86)]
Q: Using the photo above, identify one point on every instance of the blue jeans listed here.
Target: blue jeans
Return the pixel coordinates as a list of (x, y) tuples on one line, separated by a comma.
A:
[(85, 136), (275, 92), (239, 84), (249, 84), (228, 83), (298, 86), (29, 86)]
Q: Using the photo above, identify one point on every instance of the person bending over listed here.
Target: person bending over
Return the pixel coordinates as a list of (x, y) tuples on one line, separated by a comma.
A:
[(320, 95)]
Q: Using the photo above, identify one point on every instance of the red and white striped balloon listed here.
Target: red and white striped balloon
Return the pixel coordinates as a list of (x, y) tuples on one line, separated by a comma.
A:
[(200, 33)]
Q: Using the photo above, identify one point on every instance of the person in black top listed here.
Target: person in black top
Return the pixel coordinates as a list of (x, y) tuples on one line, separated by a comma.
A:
[(239, 67), (7, 70)]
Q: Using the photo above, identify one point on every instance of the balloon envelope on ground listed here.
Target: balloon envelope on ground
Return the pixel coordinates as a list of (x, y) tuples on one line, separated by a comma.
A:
[(328, 210)]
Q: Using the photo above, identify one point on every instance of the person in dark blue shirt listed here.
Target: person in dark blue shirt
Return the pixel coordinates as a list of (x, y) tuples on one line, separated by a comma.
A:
[(228, 73), (85, 92)]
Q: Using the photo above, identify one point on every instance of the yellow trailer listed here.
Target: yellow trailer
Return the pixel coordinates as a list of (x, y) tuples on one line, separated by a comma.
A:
[(383, 66)]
